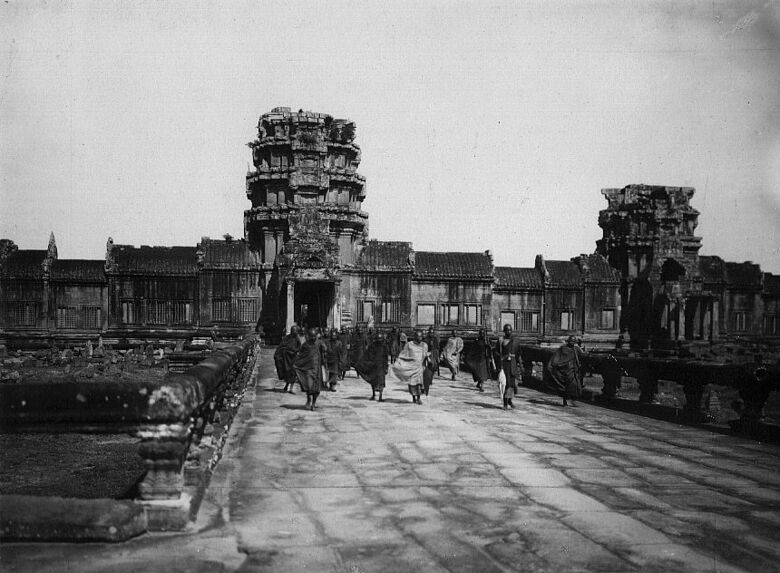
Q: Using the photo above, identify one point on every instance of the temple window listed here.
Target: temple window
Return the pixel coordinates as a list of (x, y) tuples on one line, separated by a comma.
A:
[(390, 311), (426, 314), (448, 314), (567, 320), (770, 325), (529, 321), (365, 310), (472, 314), (507, 317), (740, 321), (607, 318)]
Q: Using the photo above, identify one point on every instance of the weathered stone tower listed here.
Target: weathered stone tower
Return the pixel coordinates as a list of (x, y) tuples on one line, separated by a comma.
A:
[(649, 237), (306, 218)]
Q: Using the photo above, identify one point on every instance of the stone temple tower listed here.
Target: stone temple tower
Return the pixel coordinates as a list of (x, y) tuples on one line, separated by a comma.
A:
[(648, 235), (306, 218)]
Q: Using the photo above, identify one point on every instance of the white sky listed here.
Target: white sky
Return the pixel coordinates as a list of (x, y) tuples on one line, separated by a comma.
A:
[(483, 125)]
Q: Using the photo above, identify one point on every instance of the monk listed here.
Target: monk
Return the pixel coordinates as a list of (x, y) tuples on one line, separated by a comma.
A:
[(344, 339), (432, 340), (410, 365), (356, 347), (372, 366), (564, 371), (284, 357), (452, 352), (508, 350), (479, 359), (308, 368), (333, 359), (393, 344)]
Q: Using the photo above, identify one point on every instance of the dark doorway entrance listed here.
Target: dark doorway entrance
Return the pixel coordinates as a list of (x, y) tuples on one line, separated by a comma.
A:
[(313, 301)]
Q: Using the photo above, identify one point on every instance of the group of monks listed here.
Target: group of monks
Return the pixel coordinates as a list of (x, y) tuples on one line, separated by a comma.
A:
[(318, 360)]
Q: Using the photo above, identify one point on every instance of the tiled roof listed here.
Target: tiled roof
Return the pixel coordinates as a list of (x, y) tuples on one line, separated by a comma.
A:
[(78, 270), (712, 269), (453, 265), (155, 260), (743, 274), (24, 264), (220, 254), (564, 274), (518, 277), (597, 269), (386, 256), (772, 284)]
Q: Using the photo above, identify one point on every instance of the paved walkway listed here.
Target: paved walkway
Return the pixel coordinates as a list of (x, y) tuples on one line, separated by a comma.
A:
[(459, 484)]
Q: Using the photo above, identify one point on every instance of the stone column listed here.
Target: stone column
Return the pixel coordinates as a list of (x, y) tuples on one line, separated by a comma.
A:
[(681, 319), (269, 247), (715, 328), (697, 319), (335, 308), (707, 319), (290, 305)]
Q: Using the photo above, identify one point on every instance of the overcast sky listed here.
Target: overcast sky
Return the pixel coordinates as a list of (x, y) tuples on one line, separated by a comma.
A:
[(483, 125)]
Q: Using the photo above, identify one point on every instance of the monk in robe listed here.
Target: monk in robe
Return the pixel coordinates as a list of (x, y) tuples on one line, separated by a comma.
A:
[(333, 359), (393, 344), (432, 340), (479, 359), (284, 357), (563, 372), (410, 366), (372, 366), (508, 351), (308, 368), (452, 352), (357, 346), (344, 339)]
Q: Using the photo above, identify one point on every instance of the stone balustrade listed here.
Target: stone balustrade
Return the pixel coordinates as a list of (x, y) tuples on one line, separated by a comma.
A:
[(168, 416), (754, 382)]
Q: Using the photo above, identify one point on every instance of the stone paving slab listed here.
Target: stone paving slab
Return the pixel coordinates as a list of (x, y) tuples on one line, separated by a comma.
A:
[(459, 484)]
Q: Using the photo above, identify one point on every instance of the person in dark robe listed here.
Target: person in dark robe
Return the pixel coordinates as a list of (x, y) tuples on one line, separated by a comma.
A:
[(410, 366), (357, 346), (344, 339), (510, 358), (393, 344), (284, 357), (372, 366), (432, 340), (333, 359), (479, 358), (564, 372), (308, 368)]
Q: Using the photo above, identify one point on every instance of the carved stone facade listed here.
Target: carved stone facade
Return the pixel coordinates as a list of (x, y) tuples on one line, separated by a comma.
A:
[(306, 258)]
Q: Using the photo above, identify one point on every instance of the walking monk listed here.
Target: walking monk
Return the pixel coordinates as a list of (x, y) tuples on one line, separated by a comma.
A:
[(410, 365), (452, 351), (508, 348), (308, 368), (479, 359), (564, 374), (284, 357), (372, 366)]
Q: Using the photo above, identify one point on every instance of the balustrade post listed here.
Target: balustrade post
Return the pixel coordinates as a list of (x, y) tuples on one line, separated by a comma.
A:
[(163, 448)]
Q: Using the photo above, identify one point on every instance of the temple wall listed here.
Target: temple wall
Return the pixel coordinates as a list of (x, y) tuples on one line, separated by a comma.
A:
[(451, 293)]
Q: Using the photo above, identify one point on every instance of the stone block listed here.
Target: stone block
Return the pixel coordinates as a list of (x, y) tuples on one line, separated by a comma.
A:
[(168, 514), (56, 518)]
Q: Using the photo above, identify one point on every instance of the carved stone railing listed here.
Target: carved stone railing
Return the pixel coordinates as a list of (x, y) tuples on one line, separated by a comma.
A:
[(753, 381), (168, 416)]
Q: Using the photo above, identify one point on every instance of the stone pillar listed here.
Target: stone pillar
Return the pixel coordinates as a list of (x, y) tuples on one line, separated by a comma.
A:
[(279, 239), (681, 319), (335, 309), (697, 330), (707, 319), (269, 247), (715, 328), (290, 305)]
